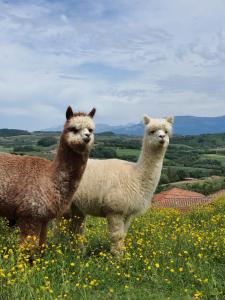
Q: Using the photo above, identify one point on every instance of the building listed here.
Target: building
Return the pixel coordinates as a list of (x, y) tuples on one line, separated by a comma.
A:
[(179, 199)]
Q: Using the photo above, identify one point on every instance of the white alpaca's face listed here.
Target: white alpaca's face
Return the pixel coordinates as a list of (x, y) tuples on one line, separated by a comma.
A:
[(80, 132), (158, 131)]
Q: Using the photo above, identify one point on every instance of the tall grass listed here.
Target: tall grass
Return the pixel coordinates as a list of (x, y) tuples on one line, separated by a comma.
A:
[(169, 255)]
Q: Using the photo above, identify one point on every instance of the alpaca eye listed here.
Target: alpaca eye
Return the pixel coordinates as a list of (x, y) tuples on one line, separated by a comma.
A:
[(73, 129), (152, 131), (166, 131), (90, 130)]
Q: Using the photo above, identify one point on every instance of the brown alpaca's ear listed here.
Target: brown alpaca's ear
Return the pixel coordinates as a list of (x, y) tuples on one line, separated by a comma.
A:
[(92, 112), (69, 113)]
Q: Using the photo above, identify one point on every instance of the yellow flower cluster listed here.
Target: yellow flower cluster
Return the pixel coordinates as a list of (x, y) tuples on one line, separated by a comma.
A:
[(168, 254)]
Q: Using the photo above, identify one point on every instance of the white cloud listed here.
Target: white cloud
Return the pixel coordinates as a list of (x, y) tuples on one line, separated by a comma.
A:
[(44, 46)]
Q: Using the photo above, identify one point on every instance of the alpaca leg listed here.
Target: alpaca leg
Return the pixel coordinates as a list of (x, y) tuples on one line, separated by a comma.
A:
[(61, 223), (127, 224), (43, 234), (77, 226), (116, 233), (29, 234), (76, 220)]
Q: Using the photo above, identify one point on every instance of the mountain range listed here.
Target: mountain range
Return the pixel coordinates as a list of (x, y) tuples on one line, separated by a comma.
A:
[(183, 125)]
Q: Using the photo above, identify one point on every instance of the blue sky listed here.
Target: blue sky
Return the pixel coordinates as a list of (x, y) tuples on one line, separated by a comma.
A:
[(125, 57)]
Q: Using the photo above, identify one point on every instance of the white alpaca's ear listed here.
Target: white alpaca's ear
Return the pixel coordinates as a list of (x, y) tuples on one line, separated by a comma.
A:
[(170, 119), (146, 120)]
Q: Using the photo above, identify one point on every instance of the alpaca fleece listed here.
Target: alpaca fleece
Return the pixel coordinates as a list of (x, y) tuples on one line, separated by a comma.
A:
[(34, 190), (118, 189)]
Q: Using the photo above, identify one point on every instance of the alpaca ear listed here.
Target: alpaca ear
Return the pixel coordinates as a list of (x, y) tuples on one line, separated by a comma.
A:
[(170, 119), (146, 120), (92, 112), (69, 113)]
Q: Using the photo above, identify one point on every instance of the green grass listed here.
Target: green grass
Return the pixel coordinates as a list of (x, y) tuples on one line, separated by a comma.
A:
[(5, 149), (169, 255), (205, 186), (190, 169), (125, 152), (220, 158), (42, 154), (180, 146)]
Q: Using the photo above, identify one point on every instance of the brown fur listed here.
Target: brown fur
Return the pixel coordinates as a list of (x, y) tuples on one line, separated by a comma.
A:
[(78, 114), (34, 190)]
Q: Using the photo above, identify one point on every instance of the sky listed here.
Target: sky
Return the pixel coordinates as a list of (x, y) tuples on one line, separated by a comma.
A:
[(127, 58)]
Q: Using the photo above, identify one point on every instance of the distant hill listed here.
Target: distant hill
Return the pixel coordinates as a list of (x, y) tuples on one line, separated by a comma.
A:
[(188, 125), (183, 125), (5, 132)]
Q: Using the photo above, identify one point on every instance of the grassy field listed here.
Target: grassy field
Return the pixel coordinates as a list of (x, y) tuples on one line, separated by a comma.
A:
[(5, 149), (205, 186), (169, 255), (220, 158), (189, 168), (191, 156), (124, 152)]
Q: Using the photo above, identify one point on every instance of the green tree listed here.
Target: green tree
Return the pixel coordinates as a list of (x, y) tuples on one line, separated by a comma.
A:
[(47, 141)]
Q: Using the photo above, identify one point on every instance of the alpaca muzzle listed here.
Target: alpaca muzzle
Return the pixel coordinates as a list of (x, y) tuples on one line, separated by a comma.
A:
[(162, 141), (86, 139)]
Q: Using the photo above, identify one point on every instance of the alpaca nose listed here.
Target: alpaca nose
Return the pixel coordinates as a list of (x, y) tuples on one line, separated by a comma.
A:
[(162, 136), (87, 138)]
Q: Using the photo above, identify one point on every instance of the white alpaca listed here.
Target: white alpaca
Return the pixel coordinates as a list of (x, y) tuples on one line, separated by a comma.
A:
[(117, 189)]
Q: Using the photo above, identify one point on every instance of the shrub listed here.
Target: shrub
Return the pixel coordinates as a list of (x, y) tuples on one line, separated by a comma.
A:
[(26, 148), (103, 152), (47, 141)]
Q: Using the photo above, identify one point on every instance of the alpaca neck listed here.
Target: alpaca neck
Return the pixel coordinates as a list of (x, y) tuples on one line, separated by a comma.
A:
[(149, 166), (68, 168)]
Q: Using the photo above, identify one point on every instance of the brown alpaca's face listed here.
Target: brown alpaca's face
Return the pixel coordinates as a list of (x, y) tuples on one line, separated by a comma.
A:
[(79, 132)]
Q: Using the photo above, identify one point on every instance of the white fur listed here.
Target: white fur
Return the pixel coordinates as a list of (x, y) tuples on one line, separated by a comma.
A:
[(82, 122), (118, 189)]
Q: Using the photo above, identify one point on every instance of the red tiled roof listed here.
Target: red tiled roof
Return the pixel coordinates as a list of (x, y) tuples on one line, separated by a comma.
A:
[(176, 193)]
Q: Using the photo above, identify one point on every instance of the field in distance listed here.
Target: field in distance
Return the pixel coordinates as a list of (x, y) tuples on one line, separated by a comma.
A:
[(187, 158)]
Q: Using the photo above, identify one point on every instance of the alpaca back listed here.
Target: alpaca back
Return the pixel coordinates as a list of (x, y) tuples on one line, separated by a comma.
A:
[(21, 176), (19, 170), (109, 185)]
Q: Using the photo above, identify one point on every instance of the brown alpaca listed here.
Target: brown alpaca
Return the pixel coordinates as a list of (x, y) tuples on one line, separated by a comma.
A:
[(34, 190)]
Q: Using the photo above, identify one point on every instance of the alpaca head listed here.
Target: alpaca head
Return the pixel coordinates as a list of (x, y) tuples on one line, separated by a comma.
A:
[(79, 130), (158, 131)]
